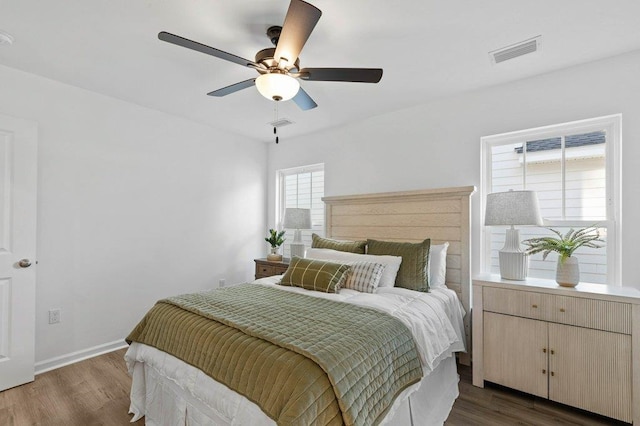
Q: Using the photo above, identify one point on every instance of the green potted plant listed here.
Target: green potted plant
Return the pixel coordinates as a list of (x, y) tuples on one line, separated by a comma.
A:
[(568, 270), (276, 240)]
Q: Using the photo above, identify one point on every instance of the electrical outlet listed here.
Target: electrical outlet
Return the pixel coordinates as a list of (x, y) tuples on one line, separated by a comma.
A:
[(54, 316), (222, 282)]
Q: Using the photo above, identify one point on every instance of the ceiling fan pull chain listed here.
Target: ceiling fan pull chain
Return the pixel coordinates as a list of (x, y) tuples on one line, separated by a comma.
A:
[(275, 129)]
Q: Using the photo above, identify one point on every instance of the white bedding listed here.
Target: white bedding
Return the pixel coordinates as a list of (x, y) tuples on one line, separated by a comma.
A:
[(161, 381)]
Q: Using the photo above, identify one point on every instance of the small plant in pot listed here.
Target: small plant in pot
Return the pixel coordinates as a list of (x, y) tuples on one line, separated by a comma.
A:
[(568, 270), (276, 239)]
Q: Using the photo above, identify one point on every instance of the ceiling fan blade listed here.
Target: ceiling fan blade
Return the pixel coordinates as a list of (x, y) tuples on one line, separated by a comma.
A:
[(303, 100), (356, 75), (194, 45), (233, 88), (301, 19)]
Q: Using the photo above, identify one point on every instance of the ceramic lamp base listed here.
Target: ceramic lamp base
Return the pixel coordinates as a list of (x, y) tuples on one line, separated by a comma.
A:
[(513, 265), (297, 249)]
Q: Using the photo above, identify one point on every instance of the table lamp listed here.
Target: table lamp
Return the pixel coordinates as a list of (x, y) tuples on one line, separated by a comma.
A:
[(297, 219), (513, 208)]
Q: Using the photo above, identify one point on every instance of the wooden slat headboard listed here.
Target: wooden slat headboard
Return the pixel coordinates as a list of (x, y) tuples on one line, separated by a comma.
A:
[(440, 214)]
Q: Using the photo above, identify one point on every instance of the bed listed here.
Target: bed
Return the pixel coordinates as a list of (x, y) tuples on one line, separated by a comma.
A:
[(169, 391)]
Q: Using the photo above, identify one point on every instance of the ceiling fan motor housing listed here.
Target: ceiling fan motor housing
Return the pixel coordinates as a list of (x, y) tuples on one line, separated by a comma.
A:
[(265, 57)]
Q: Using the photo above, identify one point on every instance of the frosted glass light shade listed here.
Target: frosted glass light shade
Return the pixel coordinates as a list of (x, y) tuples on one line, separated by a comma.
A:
[(277, 87)]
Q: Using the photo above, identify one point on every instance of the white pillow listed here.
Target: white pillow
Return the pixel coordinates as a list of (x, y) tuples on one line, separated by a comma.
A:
[(391, 263), (438, 265)]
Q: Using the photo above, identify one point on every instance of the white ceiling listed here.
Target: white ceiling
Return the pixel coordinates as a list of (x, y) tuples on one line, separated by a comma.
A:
[(427, 48)]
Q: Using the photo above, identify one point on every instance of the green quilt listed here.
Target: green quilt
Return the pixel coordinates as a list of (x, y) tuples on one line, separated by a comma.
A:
[(302, 359)]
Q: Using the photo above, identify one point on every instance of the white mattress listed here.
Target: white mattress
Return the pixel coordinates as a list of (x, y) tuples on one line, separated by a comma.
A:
[(171, 392)]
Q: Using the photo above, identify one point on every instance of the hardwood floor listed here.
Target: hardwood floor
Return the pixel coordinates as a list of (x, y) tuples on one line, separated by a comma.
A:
[(96, 392), (91, 392)]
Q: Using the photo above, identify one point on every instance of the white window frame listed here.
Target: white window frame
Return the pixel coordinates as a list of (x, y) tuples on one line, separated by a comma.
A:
[(280, 190), (612, 124)]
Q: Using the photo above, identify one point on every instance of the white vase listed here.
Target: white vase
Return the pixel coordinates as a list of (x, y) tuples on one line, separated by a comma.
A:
[(568, 272), (274, 254)]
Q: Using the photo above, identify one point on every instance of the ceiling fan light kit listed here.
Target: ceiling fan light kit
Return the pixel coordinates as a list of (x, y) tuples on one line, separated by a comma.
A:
[(279, 67), (277, 87)]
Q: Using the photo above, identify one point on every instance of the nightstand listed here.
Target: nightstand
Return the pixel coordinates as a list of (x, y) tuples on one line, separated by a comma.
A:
[(267, 268), (577, 346)]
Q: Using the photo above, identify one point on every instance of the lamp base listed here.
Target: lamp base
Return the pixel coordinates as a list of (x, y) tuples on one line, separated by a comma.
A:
[(513, 265), (297, 249)]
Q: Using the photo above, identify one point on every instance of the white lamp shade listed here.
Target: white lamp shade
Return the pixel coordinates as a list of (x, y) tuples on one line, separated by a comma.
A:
[(297, 218), (512, 208), (277, 87)]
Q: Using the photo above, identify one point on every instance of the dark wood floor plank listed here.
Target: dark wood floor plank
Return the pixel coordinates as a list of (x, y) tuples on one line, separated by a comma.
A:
[(96, 392)]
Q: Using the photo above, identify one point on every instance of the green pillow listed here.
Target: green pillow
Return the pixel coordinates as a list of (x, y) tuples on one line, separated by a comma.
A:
[(348, 246), (318, 275), (415, 261)]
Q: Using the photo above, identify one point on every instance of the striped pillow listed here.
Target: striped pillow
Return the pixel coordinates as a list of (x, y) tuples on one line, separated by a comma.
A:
[(318, 275), (365, 276)]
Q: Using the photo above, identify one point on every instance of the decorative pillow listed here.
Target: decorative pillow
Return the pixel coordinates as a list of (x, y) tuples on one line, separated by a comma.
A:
[(438, 265), (415, 261), (391, 263), (348, 246), (318, 275), (364, 277)]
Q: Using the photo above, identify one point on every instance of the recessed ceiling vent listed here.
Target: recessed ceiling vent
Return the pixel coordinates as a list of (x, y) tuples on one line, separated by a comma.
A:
[(281, 123), (515, 50)]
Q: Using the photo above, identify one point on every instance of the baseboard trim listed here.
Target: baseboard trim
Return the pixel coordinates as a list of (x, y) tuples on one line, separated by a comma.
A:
[(73, 357)]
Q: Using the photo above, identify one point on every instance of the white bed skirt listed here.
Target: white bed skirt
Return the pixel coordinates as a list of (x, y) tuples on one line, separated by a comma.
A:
[(168, 391)]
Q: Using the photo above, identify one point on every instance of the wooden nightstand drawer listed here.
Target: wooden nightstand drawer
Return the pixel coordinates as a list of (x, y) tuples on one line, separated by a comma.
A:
[(591, 313), (266, 268), (519, 303)]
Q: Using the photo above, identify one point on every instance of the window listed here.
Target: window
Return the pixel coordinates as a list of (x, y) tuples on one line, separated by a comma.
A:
[(574, 168), (301, 187)]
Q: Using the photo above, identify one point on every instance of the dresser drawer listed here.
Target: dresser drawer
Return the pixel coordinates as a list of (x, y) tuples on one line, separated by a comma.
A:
[(591, 313), (577, 311), (524, 304)]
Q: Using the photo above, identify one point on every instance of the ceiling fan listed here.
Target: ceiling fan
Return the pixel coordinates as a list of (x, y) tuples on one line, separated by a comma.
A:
[(279, 66)]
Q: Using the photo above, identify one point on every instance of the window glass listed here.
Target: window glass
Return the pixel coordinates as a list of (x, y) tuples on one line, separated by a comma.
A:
[(570, 171), (301, 187)]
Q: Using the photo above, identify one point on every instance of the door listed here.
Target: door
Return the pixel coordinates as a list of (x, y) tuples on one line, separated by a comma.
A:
[(18, 172), (591, 369), (515, 353)]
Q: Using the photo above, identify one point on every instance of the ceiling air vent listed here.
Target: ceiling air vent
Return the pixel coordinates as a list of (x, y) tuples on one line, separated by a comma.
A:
[(281, 123), (519, 49)]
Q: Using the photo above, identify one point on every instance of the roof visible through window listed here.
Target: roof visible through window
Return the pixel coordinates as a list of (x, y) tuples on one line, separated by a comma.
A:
[(570, 141)]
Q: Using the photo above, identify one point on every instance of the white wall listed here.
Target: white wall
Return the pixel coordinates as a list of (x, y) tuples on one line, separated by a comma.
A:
[(438, 144), (133, 205)]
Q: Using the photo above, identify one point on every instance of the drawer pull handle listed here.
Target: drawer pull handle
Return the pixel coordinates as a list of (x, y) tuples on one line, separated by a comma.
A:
[(552, 352), (534, 306), (561, 309), (553, 374), (544, 371), (544, 350)]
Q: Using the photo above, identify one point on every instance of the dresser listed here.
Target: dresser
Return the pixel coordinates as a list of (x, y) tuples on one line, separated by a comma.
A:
[(576, 346), (267, 268)]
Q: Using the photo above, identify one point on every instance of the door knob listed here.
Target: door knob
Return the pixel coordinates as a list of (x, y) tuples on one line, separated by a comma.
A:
[(24, 263)]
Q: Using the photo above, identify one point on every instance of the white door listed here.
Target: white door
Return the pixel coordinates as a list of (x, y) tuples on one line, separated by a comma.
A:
[(18, 173)]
